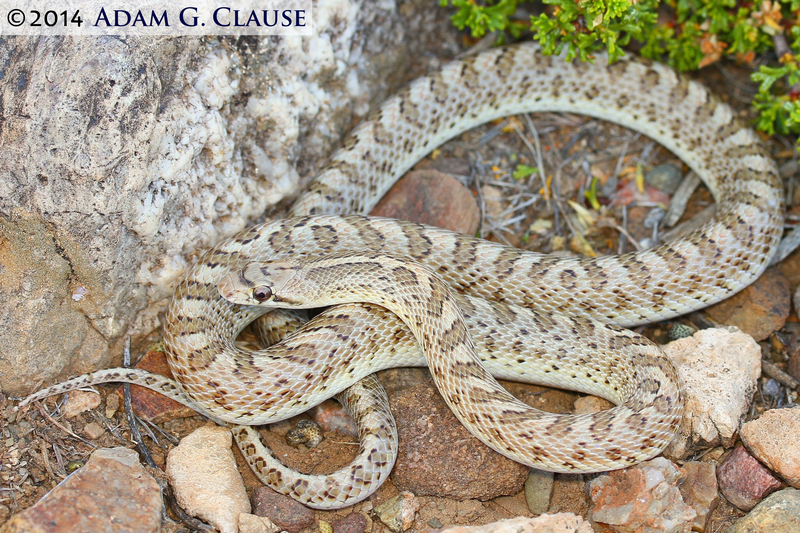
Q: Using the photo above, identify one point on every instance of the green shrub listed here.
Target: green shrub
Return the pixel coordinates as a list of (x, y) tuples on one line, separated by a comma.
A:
[(692, 34)]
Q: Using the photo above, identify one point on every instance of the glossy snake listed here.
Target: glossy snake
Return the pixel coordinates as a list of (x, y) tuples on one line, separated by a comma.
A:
[(561, 341)]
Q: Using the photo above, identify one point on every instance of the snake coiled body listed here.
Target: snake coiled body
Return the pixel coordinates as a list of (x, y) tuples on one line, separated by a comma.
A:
[(570, 298)]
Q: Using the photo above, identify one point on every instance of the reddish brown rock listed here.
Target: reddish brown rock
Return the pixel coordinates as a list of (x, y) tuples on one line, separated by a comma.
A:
[(759, 309), (439, 457), (149, 404), (433, 198), (283, 511), (352, 523), (111, 493), (743, 480)]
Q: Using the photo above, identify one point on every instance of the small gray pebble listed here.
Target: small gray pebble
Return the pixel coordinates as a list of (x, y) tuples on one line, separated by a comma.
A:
[(435, 523), (665, 177), (771, 389)]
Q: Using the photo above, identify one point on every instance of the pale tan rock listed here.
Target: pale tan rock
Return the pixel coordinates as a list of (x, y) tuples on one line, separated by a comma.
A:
[(250, 523), (546, 523), (203, 474), (779, 513), (79, 401), (718, 368), (775, 440)]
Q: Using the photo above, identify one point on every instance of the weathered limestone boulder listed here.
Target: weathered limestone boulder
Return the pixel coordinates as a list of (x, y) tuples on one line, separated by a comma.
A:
[(122, 158)]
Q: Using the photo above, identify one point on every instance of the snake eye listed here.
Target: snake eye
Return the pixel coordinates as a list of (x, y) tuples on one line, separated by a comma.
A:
[(262, 294)]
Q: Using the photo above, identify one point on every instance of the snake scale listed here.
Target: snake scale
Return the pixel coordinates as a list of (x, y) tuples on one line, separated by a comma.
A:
[(554, 321)]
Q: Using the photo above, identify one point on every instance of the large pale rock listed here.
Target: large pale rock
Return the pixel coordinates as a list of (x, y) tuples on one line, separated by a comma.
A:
[(775, 440), (718, 368), (123, 158), (203, 474)]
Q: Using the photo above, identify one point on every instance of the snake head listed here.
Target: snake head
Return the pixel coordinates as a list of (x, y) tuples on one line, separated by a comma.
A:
[(258, 283)]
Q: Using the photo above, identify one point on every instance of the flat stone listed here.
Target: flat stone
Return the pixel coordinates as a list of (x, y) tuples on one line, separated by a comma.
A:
[(111, 493), (283, 511), (759, 309), (150, 405), (743, 480), (439, 457), (779, 513), (553, 523), (774, 439), (719, 368), (204, 477), (352, 523), (644, 497), (433, 198)]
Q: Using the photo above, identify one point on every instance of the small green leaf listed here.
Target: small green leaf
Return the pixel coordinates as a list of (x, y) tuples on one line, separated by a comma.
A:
[(523, 171)]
